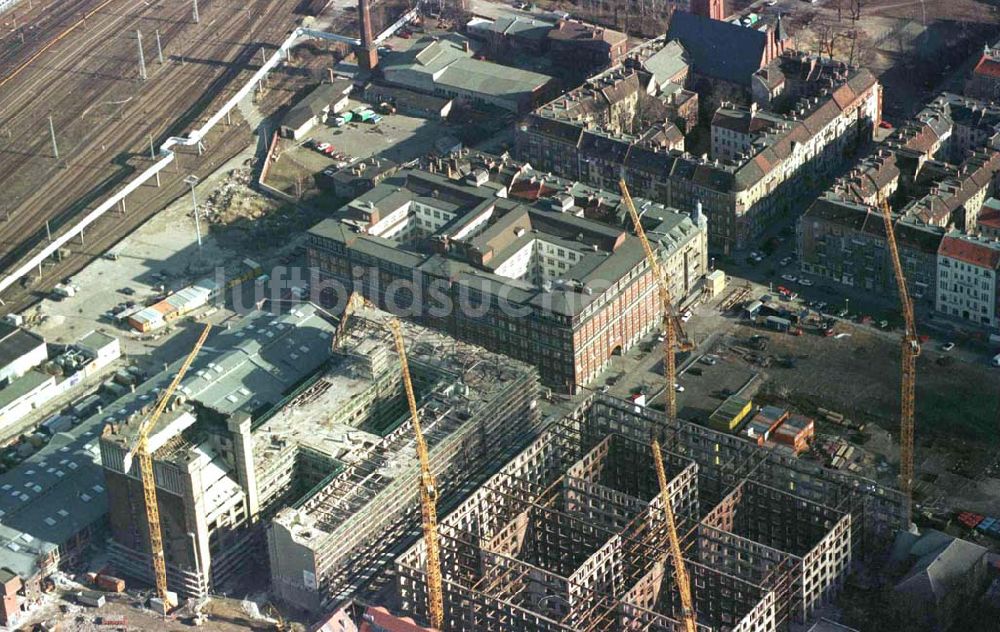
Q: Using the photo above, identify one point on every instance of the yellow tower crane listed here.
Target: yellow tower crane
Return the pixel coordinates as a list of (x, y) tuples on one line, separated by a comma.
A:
[(354, 302), (910, 351), (680, 570), (428, 491), (671, 326), (140, 448)]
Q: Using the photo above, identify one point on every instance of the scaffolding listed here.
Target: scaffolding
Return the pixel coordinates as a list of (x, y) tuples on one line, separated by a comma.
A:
[(569, 535)]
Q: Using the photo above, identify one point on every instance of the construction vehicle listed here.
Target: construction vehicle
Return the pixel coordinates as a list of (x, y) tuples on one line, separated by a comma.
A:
[(140, 448), (671, 325), (680, 570), (428, 491), (910, 351)]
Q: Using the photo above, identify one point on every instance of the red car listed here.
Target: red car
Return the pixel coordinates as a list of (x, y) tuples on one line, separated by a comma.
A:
[(884, 124)]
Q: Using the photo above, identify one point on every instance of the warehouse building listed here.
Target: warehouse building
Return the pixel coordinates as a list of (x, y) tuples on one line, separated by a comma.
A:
[(314, 108), (569, 534), (445, 67), (534, 267)]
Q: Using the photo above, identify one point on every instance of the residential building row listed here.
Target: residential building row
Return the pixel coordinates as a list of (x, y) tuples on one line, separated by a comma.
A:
[(939, 174), (762, 159)]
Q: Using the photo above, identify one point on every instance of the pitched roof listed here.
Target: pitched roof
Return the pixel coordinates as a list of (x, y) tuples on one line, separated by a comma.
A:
[(987, 67), (970, 250), (721, 50)]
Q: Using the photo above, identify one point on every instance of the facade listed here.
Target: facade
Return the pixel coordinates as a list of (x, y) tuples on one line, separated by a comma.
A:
[(844, 242), (538, 268), (444, 67), (584, 48), (410, 102), (829, 116), (969, 279)]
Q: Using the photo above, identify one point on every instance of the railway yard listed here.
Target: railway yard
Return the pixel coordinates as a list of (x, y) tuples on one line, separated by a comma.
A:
[(106, 118), (298, 185)]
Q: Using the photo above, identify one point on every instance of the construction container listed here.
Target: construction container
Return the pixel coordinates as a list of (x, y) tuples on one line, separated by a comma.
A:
[(729, 415), (90, 598), (110, 583)]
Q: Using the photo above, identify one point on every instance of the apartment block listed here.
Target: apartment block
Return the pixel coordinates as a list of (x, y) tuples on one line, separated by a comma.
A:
[(541, 269), (969, 278), (764, 156), (844, 241)]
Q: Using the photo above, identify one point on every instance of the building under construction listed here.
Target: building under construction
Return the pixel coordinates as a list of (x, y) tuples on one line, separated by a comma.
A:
[(269, 422), (477, 410), (570, 534)]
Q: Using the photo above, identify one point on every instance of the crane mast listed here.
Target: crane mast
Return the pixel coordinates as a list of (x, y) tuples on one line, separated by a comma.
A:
[(140, 448), (354, 302), (669, 321), (680, 570), (910, 351), (428, 491), (670, 328)]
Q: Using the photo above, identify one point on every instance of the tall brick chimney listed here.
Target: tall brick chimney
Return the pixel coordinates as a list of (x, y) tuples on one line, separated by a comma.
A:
[(367, 53)]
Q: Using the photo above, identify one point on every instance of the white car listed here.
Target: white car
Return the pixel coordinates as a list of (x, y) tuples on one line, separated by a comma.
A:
[(686, 316), (805, 282), (948, 346), (788, 277), (678, 388), (322, 146), (771, 3)]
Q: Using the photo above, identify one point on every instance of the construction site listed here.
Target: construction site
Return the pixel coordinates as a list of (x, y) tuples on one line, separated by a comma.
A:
[(329, 453), (570, 534)]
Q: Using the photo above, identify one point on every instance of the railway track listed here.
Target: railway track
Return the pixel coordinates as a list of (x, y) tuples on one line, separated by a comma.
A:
[(89, 84)]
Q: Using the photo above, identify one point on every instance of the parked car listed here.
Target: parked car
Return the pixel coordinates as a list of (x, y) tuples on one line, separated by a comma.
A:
[(806, 282), (788, 277), (710, 360), (785, 261), (678, 387), (948, 346), (686, 316), (127, 291), (884, 124), (322, 146)]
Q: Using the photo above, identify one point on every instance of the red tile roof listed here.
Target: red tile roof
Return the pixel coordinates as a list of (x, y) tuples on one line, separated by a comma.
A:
[(380, 619), (987, 66), (971, 252), (989, 217)]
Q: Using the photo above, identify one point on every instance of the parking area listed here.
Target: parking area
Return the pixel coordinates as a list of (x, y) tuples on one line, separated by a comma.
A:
[(398, 137)]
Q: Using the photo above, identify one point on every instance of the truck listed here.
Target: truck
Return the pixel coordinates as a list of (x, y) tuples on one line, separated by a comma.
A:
[(364, 115), (343, 118), (777, 323)]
